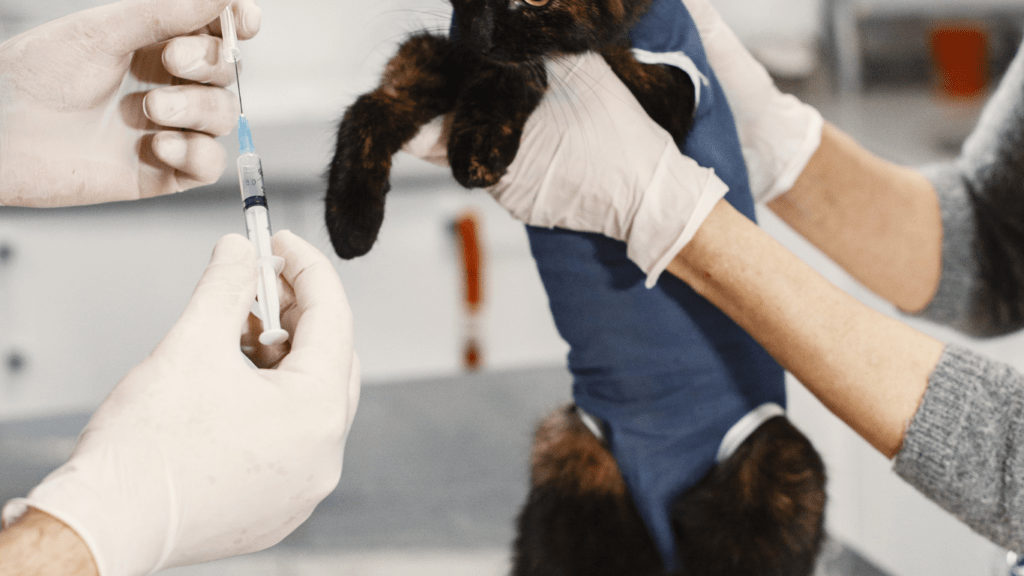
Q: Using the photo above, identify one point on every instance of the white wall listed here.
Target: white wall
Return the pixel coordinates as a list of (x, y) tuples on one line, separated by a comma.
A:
[(759, 22), (312, 58)]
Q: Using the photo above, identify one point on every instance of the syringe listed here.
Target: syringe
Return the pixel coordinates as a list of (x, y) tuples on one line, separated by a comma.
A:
[(229, 38), (257, 225), (254, 205)]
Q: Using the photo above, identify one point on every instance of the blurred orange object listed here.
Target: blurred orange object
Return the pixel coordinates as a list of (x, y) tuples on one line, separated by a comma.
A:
[(467, 227), (960, 54)]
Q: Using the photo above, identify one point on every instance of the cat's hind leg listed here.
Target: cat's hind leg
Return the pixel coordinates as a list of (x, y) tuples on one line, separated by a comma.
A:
[(665, 92), (758, 513), (489, 119), (420, 82), (579, 518)]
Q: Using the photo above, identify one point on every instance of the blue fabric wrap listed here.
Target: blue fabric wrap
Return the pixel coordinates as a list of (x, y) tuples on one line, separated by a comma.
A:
[(665, 371)]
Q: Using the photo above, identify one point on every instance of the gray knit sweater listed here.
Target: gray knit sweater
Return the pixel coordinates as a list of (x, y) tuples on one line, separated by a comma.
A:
[(964, 448)]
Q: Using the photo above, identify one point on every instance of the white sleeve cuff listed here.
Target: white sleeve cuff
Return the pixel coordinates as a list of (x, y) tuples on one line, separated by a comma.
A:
[(798, 156), (677, 201)]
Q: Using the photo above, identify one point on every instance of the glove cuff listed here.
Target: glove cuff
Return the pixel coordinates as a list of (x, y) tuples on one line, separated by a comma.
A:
[(115, 519), (792, 134), (677, 201), (16, 508)]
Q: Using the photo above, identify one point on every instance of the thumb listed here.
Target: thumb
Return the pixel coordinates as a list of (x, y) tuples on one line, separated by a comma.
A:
[(133, 24), (224, 295)]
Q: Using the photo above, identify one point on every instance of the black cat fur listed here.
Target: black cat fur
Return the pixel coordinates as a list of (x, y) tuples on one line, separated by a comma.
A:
[(758, 513), (492, 78)]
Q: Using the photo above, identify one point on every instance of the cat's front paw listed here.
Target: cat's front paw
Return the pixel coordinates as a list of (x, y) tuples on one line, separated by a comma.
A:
[(480, 155), (354, 206)]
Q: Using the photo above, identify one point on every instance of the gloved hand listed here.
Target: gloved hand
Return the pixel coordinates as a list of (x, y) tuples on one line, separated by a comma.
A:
[(77, 125), (778, 133), (591, 160), (195, 455)]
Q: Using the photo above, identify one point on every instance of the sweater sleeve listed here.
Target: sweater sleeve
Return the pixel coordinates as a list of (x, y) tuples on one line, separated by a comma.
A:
[(964, 449), (981, 290)]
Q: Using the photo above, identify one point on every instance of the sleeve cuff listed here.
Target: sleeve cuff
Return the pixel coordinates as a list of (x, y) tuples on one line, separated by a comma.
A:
[(673, 209), (801, 156)]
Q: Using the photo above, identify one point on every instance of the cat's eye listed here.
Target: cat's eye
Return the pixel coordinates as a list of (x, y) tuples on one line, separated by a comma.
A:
[(537, 3)]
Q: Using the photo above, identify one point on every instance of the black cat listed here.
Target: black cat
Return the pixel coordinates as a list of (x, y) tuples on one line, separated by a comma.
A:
[(758, 513), (492, 77)]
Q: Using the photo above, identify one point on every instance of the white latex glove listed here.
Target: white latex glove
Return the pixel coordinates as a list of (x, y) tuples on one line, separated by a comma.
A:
[(778, 133), (195, 455), (77, 125), (591, 160)]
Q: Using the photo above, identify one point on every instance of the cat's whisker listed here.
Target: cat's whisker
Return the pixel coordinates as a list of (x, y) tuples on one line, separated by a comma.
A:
[(594, 84), (400, 37), (583, 117), (419, 21), (571, 119), (440, 15)]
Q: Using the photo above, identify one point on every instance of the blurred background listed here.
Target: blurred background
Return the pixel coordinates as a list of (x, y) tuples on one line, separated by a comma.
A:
[(460, 356)]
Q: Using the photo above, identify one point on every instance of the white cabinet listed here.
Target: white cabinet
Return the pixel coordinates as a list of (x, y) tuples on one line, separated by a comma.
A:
[(85, 293)]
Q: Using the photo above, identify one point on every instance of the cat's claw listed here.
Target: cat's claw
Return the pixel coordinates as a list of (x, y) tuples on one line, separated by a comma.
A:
[(481, 157), (477, 173)]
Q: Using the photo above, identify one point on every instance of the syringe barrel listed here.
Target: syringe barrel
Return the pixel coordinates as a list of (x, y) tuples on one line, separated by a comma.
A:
[(250, 175), (257, 226), (253, 193), (254, 202)]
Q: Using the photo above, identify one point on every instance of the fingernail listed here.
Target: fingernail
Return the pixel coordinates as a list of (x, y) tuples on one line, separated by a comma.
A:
[(166, 104), (230, 249), (171, 147)]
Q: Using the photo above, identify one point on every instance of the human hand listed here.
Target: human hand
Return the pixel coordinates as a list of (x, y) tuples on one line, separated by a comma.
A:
[(591, 160), (195, 455), (80, 120), (778, 133)]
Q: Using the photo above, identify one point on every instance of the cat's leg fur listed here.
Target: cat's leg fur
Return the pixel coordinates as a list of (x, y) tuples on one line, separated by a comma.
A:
[(758, 513), (579, 519), (421, 82), (981, 194), (665, 92), (489, 119)]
